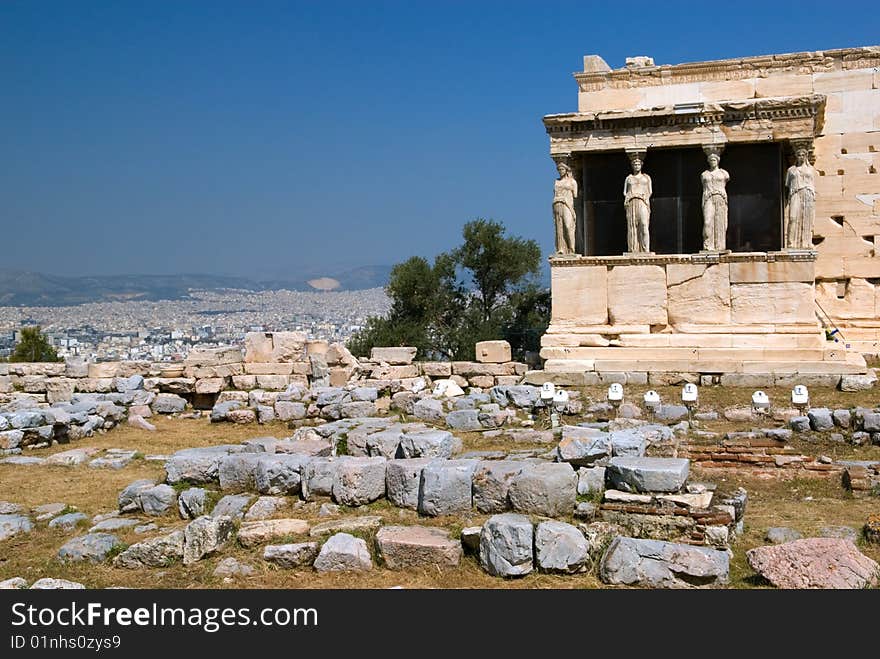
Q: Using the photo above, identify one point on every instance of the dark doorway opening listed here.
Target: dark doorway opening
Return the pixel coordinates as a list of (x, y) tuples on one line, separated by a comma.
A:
[(754, 199)]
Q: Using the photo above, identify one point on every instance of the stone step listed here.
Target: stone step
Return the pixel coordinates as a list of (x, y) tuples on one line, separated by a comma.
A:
[(560, 365), (696, 353), (787, 341)]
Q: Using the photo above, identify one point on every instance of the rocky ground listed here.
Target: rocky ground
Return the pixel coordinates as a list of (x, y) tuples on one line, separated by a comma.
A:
[(70, 517)]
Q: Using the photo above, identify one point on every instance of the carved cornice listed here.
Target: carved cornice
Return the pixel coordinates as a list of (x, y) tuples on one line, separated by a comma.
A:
[(730, 69), (782, 109), (697, 259)]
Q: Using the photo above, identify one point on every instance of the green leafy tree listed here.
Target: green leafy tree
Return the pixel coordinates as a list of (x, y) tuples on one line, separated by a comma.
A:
[(484, 289), (33, 346)]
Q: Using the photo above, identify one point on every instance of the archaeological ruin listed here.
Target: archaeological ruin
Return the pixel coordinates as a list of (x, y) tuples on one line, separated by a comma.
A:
[(680, 265), (715, 231)]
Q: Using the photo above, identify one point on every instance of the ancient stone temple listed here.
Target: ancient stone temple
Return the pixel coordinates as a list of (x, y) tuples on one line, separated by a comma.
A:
[(726, 217)]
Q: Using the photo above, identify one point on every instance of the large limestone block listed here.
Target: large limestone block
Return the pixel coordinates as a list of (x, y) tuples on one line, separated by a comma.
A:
[(402, 480), (860, 110), (727, 90), (776, 303), (280, 473), (784, 85), (212, 357), (210, 385), (580, 295), (258, 347), (662, 95), (394, 356), (358, 481), (491, 483), (637, 295), (446, 487), (317, 347), (560, 547), (610, 99), (636, 474), (205, 535), (760, 272), (59, 389), (236, 471), (847, 80), (698, 293), (263, 531), (815, 563), (268, 368), (339, 355), (493, 352), (272, 382), (103, 370), (408, 547), (507, 545), (859, 299), (548, 489), (658, 564), (288, 346), (344, 553)]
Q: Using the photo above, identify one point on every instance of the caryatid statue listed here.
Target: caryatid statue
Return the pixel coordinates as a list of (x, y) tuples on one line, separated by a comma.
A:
[(800, 187), (637, 202), (565, 189), (714, 182)]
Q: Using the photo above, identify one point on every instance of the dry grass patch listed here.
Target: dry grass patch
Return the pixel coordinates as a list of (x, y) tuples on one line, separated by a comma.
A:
[(772, 502)]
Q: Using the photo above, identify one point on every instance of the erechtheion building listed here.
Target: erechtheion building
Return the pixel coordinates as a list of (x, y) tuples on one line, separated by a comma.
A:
[(718, 217)]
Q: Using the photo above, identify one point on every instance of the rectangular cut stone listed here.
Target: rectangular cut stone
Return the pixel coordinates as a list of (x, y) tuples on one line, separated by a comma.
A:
[(633, 474), (212, 357), (783, 302), (493, 352), (784, 85), (580, 295), (663, 95), (101, 370), (842, 81), (210, 385), (609, 99), (727, 90), (637, 294), (468, 369), (244, 381), (219, 371), (263, 531), (273, 382), (258, 347), (268, 368), (437, 369), (395, 356), (288, 347), (772, 272), (698, 293)]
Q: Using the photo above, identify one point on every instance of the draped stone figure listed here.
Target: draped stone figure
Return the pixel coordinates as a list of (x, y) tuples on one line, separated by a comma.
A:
[(714, 182), (801, 200), (565, 189), (637, 202)]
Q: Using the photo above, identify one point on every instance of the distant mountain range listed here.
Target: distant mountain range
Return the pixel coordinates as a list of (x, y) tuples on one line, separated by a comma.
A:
[(21, 288)]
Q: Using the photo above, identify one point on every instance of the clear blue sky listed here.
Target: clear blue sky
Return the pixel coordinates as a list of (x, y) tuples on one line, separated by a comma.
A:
[(270, 137)]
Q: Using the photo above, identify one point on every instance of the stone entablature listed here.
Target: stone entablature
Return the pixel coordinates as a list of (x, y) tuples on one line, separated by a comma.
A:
[(750, 120), (711, 80), (701, 257)]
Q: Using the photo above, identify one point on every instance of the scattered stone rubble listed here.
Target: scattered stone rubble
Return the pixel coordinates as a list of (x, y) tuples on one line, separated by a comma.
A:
[(645, 522)]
